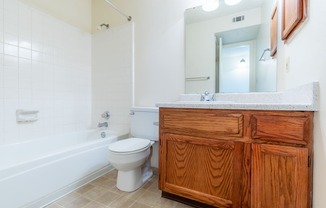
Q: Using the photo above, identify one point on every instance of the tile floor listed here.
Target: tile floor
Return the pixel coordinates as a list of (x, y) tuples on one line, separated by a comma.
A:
[(102, 193)]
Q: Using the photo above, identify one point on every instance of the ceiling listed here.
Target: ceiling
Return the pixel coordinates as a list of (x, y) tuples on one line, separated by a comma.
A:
[(239, 35)]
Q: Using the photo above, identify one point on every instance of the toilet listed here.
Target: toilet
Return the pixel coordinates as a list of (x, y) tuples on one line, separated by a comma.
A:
[(132, 156)]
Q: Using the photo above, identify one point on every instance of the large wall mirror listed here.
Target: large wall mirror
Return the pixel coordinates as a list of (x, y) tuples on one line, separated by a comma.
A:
[(227, 50)]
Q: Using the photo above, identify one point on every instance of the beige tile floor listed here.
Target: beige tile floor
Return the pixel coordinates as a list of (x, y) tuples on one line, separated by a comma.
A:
[(102, 193)]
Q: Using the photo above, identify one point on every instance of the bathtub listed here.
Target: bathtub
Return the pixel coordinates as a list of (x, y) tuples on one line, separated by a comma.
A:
[(34, 173)]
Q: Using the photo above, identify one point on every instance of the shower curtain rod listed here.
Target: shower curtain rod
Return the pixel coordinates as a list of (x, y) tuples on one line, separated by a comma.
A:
[(118, 10)]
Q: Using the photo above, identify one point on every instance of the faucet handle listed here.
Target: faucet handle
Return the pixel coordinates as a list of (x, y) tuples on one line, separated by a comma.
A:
[(104, 124), (105, 115), (202, 97), (207, 96)]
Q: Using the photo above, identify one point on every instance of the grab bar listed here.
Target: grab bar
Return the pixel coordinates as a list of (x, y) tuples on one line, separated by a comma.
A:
[(197, 78)]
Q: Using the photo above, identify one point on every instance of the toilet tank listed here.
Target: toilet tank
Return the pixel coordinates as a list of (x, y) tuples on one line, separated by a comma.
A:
[(144, 122)]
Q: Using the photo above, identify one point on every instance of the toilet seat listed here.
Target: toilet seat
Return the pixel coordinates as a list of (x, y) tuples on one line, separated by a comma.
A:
[(131, 145)]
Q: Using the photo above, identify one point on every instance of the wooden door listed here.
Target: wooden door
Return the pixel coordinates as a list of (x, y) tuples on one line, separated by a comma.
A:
[(279, 176), (210, 171)]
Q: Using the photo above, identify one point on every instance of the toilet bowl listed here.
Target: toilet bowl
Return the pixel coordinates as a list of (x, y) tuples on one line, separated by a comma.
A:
[(131, 157)]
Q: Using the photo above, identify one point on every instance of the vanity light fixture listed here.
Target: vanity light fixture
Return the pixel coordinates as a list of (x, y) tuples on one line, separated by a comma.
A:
[(232, 2), (210, 5)]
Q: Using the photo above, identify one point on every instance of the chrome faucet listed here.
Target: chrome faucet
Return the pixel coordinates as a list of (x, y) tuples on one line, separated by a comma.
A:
[(103, 124), (207, 96)]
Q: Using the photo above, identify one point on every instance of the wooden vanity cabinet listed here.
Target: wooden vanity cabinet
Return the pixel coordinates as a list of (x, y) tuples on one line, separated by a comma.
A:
[(236, 158)]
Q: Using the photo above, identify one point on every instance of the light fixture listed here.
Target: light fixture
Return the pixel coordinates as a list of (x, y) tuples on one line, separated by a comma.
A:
[(210, 5), (243, 63), (232, 2)]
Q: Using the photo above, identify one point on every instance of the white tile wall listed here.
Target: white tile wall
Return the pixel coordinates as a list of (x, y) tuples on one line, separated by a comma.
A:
[(112, 76), (45, 65)]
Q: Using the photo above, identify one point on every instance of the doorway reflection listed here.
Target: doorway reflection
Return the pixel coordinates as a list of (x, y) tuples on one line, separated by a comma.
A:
[(235, 70)]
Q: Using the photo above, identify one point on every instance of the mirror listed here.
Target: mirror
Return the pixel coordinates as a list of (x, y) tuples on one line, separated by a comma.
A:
[(227, 50)]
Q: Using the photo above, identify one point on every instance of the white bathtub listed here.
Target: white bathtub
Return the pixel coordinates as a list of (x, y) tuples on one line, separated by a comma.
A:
[(37, 172)]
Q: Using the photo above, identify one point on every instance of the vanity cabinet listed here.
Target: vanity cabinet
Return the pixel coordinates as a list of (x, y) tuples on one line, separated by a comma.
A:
[(236, 158)]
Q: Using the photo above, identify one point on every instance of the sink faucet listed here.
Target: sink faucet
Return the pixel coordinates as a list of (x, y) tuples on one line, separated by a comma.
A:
[(207, 96), (103, 124)]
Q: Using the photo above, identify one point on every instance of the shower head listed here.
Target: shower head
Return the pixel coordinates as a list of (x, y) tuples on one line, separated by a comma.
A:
[(102, 26)]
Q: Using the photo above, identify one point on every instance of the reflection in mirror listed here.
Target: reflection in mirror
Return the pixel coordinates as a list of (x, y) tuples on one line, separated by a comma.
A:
[(223, 48)]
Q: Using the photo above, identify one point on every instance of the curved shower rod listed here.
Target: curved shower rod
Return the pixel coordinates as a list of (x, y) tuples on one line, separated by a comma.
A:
[(118, 10)]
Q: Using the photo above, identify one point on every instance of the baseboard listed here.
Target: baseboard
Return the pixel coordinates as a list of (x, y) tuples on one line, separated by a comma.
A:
[(46, 200)]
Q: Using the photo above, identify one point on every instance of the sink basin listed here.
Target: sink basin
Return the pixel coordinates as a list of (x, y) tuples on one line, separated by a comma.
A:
[(206, 102)]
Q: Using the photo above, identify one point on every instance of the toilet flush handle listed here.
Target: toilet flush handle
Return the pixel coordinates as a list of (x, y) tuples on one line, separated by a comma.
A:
[(155, 123)]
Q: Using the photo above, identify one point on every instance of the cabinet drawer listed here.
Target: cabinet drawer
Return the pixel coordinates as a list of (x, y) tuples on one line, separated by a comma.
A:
[(281, 128), (204, 122)]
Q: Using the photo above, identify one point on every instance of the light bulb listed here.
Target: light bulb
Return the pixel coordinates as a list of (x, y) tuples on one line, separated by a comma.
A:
[(210, 5), (232, 2)]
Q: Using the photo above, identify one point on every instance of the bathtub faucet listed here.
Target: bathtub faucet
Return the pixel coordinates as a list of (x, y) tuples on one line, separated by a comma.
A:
[(103, 124)]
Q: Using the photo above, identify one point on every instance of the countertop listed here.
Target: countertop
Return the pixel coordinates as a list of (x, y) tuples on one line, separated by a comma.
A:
[(303, 98)]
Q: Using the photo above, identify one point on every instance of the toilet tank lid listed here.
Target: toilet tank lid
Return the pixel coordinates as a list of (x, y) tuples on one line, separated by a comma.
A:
[(144, 109), (129, 145)]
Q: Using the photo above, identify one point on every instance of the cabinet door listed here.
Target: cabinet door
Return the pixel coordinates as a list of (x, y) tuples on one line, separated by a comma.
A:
[(279, 176), (273, 31), (210, 171), (294, 14)]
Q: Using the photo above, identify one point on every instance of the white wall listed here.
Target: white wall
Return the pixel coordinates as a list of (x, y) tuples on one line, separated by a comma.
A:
[(112, 62), (159, 50), (45, 65)]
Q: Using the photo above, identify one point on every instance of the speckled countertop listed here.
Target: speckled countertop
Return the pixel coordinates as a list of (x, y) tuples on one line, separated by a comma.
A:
[(303, 98)]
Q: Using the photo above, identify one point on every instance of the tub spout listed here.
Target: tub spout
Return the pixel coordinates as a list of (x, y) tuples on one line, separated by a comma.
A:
[(104, 124)]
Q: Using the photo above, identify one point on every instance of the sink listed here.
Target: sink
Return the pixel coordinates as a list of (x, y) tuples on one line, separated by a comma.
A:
[(207, 102)]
